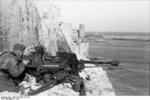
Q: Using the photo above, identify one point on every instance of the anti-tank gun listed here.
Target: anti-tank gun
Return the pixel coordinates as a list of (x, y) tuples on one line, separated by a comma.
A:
[(54, 70), (63, 61), (63, 68), (80, 64)]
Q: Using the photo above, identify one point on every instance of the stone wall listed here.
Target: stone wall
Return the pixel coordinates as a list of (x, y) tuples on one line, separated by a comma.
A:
[(75, 39), (29, 22), (21, 20), (49, 14)]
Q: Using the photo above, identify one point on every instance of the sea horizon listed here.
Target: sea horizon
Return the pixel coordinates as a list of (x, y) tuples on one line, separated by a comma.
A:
[(121, 35)]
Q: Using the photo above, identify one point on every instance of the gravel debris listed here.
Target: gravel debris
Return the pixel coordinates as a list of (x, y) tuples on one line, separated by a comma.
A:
[(96, 84)]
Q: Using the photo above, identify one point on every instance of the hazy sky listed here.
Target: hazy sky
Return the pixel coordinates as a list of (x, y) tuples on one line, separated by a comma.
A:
[(108, 15)]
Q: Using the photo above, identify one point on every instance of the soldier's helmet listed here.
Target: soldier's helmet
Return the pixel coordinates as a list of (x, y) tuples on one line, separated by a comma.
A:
[(19, 47)]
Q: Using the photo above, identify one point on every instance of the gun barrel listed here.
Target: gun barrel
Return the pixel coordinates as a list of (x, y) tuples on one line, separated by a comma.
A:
[(113, 62), (51, 66), (95, 62)]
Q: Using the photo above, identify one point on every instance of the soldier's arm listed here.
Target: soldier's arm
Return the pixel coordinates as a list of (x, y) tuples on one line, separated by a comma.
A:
[(14, 68)]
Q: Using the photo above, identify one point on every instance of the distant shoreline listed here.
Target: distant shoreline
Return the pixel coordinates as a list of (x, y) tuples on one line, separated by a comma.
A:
[(130, 39), (118, 32), (119, 36)]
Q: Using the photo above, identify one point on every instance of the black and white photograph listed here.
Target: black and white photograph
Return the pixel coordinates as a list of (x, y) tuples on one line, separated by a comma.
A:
[(74, 48)]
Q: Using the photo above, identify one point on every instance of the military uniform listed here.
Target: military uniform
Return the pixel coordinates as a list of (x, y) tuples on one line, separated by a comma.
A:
[(11, 67)]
